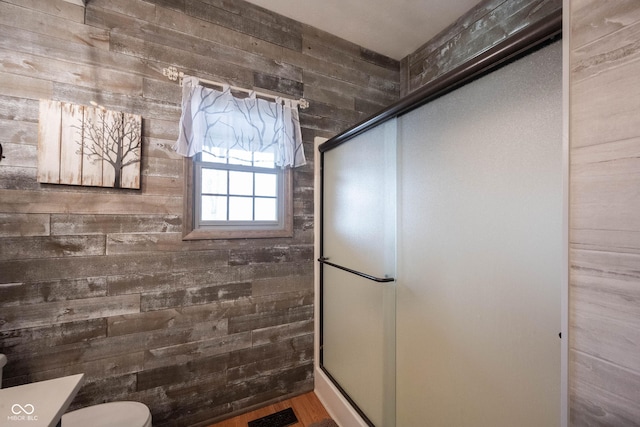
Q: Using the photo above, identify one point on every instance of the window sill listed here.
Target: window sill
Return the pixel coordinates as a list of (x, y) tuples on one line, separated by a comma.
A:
[(236, 234)]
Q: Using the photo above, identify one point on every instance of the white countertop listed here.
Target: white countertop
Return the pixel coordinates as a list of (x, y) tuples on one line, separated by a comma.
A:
[(39, 404)]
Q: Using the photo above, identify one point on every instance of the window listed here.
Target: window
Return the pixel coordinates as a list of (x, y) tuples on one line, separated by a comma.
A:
[(239, 153), (239, 194)]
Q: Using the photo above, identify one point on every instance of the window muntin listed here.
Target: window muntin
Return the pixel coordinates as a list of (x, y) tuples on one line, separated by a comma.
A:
[(238, 191)]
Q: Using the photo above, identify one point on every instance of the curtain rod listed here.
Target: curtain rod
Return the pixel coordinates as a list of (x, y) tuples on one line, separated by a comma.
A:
[(173, 74)]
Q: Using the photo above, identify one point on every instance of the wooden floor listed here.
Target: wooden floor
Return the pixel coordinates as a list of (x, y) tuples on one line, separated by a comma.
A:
[(307, 408)]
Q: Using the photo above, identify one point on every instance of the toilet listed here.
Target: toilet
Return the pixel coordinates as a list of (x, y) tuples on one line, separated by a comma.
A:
[(3, 361), (112, 414)]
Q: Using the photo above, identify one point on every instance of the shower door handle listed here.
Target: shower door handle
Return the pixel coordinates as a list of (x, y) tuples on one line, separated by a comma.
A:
[(323, 260)]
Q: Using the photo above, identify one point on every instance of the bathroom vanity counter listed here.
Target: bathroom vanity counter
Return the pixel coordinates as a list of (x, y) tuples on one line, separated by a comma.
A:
[(39, 404)]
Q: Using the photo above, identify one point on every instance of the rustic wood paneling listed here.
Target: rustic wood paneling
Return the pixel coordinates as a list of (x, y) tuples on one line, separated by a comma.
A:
[(98, 280), (490, 22), (19, 317), (24, 225), (604, 205), (60, 27)]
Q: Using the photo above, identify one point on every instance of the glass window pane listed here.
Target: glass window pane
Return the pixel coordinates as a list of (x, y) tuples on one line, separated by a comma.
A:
[(214, 208), (240, 157), (215, 155), (266, 184), (241, 183), (240, 208), (214, 181), (264, 159), (266, 209)]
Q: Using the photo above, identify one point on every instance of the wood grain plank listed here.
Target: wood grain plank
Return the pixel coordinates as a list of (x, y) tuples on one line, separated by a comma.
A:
[(179, 354), (604, 182), (71, 224), (286, 36), (162, 167), (282, 332), (338, 88), (148, 108), (67, 311), (72, 10), (13, 225), (43, 338), (333, 70), (94, 389), (92, 168), (607, 52), (49, 134), (112, 132), (198, 65), (33, 270), (141, 322), (606, 338), (15, 294), (222, 53), (76, 2), (326, 53), (611, 391), (63, 202), (19, 132), (25, 87), (494, 27), (50, 246), (61, 70), (121, 243), (99, 349), (196, 295), (473, 16), (71, 144), (593, 19), (53, 26), (282, 285), (45, 45), (132, 148), (162, 185), (605, 202), (93, 370), (604, 240), (18, 178), (605, 107), (18, 109)]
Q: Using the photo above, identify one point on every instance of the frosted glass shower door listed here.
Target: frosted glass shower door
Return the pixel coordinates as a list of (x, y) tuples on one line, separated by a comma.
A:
[(358, 313), (480, 251)]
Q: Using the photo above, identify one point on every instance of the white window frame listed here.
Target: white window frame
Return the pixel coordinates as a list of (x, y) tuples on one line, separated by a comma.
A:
[(194, 229)]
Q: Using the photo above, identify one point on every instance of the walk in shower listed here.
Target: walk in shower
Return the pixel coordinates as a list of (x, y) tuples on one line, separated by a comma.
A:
[(441, 248)]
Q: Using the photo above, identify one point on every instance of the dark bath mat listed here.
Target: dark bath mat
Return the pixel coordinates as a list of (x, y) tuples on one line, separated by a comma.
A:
[(283, 418)]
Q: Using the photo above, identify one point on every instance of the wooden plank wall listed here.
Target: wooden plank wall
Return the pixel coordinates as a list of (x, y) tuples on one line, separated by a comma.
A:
[(487, 24), (98, 280), (605, 213)]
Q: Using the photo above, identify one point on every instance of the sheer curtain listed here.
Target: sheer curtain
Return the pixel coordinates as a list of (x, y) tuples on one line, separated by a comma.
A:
[(217, 122)]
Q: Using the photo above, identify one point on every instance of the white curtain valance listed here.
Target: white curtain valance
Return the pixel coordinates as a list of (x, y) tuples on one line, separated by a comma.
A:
[(213, 119)]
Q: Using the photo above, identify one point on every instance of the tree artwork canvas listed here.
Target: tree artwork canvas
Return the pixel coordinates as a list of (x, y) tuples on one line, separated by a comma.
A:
[(90, 146)]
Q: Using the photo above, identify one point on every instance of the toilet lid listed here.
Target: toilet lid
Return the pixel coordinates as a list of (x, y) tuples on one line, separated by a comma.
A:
[(112, 414)]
